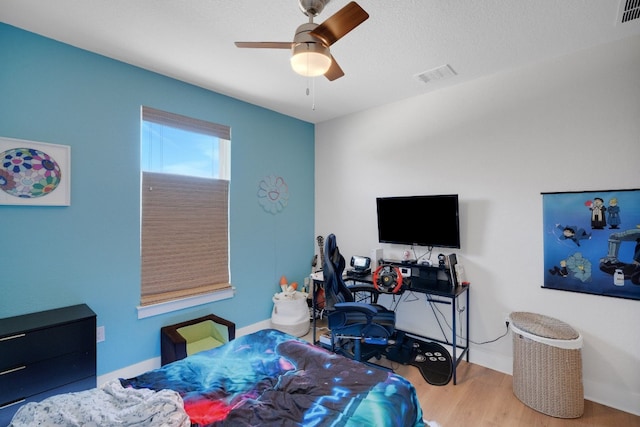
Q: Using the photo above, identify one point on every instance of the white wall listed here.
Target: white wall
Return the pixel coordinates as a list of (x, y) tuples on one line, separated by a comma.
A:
[(569, 124)]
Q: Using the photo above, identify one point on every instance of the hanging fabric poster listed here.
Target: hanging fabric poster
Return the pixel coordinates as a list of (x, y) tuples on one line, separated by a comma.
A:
[(592, 242)]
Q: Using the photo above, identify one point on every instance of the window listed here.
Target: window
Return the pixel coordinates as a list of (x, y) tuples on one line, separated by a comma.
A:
[(185, 197)]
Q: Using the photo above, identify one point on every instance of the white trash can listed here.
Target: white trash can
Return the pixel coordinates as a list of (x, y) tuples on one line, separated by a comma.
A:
[(290, 313), (547, 365)]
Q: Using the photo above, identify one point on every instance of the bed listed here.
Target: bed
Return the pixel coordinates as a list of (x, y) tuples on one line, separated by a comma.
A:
[(271, 378)]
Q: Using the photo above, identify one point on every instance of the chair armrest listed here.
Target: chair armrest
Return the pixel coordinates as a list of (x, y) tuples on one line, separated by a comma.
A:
[(356, 306)]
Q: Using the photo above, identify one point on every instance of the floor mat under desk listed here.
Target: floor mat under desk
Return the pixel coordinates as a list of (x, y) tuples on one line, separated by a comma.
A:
[(432, 359)]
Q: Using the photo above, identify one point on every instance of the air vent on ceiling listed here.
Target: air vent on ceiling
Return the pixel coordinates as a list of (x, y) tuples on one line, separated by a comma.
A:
[(629, 10), (439, 73)]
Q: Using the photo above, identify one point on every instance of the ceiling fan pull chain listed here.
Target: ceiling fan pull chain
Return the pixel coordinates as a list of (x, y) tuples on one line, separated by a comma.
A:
[(308, 77), (313, 91), (313, 94)]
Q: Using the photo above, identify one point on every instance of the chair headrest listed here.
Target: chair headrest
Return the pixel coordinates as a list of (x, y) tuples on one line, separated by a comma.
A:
[(332, 253)]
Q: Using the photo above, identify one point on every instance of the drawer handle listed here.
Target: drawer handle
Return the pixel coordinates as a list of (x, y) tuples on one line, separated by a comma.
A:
[(13, 337), (8, 371), (16, 402)]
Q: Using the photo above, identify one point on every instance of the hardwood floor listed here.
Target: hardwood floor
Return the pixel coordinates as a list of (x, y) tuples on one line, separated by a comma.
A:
[(484, 398)]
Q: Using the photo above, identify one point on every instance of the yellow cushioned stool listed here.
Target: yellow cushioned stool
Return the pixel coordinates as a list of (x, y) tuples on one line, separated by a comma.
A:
[(186, 338)]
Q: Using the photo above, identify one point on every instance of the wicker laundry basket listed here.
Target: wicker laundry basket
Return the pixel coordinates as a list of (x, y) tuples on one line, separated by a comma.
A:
[(547, 365)]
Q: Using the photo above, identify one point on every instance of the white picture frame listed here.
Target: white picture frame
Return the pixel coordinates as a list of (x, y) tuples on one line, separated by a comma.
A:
[(53, 185)]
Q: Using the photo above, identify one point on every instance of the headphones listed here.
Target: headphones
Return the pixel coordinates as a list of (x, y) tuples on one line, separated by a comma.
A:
[(441, 261), (387, 279)]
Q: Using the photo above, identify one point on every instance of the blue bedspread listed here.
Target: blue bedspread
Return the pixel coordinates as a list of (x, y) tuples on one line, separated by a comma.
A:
[(271, 378)]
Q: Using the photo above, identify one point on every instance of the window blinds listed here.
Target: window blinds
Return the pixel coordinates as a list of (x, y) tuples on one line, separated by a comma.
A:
[(185, 123), (184, 236)]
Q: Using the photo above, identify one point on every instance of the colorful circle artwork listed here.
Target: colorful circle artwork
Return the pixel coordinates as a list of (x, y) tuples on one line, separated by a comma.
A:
[(28, 173)]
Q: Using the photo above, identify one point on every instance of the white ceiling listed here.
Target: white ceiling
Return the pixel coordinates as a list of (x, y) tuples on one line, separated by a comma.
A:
[(192, 40)]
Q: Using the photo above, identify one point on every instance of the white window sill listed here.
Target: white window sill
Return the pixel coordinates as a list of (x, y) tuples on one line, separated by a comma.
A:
[(167, 307)]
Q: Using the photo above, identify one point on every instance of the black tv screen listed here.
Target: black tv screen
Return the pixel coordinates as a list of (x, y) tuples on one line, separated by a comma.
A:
[(419, 220)]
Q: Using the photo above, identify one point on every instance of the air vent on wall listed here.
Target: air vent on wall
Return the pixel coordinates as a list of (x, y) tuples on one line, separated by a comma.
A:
[(442, 72), (629, 10)]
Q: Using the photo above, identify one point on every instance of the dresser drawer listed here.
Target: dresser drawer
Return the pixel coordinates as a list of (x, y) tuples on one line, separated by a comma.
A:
[(7, 411), (30, 379), (32, 346)]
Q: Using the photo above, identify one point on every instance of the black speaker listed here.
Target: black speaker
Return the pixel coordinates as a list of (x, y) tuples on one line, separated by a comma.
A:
[(452, 260)]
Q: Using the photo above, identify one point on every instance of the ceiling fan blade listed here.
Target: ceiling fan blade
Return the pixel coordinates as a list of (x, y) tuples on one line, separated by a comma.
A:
[(265, 45), (340, 23), (334, 71)]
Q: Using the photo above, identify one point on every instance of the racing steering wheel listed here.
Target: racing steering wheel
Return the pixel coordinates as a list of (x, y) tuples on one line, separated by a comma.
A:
[(387, 279)]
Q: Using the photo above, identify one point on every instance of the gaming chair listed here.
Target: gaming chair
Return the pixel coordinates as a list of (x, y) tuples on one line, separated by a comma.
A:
[(358, 330)]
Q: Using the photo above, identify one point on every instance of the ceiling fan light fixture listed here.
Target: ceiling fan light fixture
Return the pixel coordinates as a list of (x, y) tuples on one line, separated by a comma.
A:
[(310, 59), (310, 55)]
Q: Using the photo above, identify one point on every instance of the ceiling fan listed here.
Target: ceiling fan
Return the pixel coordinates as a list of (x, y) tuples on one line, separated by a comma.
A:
[(310, 54)]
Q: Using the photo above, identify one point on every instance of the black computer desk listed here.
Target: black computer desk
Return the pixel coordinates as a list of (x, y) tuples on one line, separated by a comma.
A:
[(438, 295)]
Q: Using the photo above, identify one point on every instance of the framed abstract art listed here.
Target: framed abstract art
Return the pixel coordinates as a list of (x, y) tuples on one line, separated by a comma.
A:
[(592, 242), (34, 173)]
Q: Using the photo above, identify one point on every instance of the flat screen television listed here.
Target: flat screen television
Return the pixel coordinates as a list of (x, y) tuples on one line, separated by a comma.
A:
[(419, 220)]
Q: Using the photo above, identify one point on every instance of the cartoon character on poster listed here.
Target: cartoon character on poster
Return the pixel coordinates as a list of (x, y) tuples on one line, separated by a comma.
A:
[(561, 271), (579, 266), (613, 213), (573, 233), (597, 208), (611, 264)]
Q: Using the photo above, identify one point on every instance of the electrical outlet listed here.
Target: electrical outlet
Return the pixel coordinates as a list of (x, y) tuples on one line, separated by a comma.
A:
[(100, 334), (507, 319)]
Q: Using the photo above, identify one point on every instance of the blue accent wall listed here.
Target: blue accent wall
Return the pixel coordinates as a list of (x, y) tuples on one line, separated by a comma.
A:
[(89, 252)]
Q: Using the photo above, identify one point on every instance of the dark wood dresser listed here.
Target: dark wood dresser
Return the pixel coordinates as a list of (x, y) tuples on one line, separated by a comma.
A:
[(45, 353)]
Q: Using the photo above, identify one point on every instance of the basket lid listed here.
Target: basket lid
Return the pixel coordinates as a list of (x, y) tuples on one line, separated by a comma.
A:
[(543, 326)]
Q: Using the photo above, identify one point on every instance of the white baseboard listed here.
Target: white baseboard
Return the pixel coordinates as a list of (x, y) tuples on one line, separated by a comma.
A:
[(265, 324), (603, 394), (608, 395), (491, 360), (130, 371), (154, 363)]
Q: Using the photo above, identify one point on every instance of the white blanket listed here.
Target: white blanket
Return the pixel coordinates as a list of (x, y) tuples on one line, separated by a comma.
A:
[(109, 405)]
